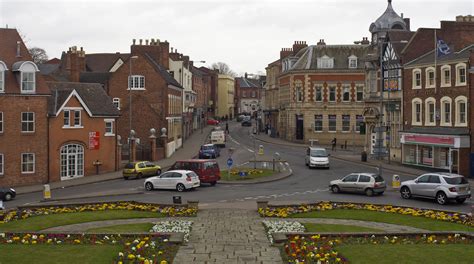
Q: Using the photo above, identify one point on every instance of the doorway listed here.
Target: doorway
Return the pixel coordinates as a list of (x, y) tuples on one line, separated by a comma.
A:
[(72, 161), (299, 127)]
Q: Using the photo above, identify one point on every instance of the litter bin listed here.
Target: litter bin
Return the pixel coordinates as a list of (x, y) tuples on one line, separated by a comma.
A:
[(363, 156), (177, 199)]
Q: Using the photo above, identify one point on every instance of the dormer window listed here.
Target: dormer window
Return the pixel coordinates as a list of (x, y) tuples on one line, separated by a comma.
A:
[(27, 76), (325, 62), (352, 62), (3, 69), (136, 82)]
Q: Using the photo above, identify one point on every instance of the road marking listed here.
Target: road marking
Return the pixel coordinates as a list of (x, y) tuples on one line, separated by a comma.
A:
[(250, 150)]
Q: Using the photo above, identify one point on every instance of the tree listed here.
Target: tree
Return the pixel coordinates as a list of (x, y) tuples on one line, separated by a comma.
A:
[(223, 68), (39, 55)]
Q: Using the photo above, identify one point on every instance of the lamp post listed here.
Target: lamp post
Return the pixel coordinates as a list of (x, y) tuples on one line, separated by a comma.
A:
[(130, 85)]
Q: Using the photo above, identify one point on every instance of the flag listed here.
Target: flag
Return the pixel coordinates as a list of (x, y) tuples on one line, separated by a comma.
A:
[(442, 48)]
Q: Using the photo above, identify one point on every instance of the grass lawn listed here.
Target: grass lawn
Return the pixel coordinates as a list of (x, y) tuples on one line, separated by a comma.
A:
[(420, 253), (266, 172), (37, 223), (58, 253), (130, 228), (312, 227), (391, 218)]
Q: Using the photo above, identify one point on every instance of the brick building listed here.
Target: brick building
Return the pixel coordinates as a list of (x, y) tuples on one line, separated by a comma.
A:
[(247, 95), (321, 92), (82, 126), (202, 87), (23, 115), (270, 104), (212, 75), (438, 91)]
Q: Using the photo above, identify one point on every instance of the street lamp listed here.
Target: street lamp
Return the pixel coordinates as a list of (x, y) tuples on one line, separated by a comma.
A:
[(130, 84)]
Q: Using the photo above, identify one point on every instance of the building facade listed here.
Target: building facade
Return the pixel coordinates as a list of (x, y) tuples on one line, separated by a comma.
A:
[(23, 115), (225, 99), (247, 95), (321, 94), (271, 103)]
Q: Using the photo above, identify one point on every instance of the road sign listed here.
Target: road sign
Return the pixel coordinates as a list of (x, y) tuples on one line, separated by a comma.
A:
[(230, 162)]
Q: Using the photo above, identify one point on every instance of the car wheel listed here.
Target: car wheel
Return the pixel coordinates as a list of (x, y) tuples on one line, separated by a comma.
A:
[(335, 189), (405, 192), (158, 172), (213, 183), (380, 193), (8, 196), (125, 177), (180, 187), (460, 200), (369, 192), (441, 198), (149, 186)]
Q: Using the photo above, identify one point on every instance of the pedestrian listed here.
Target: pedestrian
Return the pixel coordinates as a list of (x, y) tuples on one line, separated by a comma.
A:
[(227, 127), (334, 143)]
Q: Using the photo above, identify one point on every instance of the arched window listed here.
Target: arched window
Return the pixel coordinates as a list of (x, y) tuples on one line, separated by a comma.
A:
[(460, 74), (3, 69), (430, 78), (72, 161), (445, 76), (446, 111), (461, 111), (27, 71), (430, 106), (416, 112), (416, 79)]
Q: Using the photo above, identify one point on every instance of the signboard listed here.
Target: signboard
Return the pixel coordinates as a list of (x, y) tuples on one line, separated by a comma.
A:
[(94, 140), (429, 140), (230, 162)]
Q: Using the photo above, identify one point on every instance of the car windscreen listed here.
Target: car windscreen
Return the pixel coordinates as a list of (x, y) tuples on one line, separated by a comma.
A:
[(192, 175), (378, 178), (318, 153), (456, 180), (210, 165), (207, 147), (130, 166)]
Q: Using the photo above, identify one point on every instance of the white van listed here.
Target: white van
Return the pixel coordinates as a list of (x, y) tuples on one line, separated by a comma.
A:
[(218, 138), (317, 157)]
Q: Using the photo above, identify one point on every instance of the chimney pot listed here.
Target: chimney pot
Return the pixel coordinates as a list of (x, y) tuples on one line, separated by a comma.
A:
[(134, 41), (141, 41), (146, 42), (18, 50)]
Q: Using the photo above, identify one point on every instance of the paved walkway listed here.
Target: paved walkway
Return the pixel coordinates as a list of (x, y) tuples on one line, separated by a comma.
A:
[(384, 227), (82, 227)]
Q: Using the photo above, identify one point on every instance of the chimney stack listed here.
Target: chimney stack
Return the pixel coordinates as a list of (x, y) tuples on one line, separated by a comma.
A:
[(321, 43), (75, 63), (18, 49), (141, 41), (134, 41)]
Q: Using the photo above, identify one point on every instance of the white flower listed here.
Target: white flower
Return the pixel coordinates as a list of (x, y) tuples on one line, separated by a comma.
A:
[(133, 248), (120, 254), (34, 237), (282, 227), (175, 226), (2, 234)]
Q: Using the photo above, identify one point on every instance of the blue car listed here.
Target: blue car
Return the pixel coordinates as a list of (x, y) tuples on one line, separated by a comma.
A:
[(209, 151)]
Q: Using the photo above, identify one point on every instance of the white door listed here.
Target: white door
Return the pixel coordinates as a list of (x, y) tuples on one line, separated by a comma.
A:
[(72, 161)]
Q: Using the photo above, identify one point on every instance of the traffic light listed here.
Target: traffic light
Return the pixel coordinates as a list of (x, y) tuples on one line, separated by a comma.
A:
[(362, 128)]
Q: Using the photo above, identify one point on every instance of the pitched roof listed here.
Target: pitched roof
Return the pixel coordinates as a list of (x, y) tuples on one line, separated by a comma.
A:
[(163, 72), (308, 57), (103, 62), (246, 83), (428, 58), (92, 94), (94, 77), (396, 36)]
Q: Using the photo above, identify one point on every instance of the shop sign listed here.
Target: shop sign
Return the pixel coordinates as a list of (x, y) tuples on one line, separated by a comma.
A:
[(429, 140), (94, 140)]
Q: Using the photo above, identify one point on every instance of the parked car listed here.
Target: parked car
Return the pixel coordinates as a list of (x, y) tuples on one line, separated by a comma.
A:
[(213, 122), (441, 186), (246, 122), (140, 169), (317, 157), (180, 180), (218, 138), (6, 194), (368, 183), (207, 170), (209, 151), (240, 118)]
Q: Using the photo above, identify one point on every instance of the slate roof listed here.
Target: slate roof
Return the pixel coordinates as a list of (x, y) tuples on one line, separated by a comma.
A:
[(428, 58), (307, 57), (103, 62), (246, 83), (438, 130), (387, 20), (48, 68), (93, 95), (163, 72), (94, 77)]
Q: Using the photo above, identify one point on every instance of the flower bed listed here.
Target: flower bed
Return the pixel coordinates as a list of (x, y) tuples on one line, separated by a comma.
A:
[(321, 249), (286, 211), (57, 209), (281, 227), (248, 171), (153, 248), (174, 226)]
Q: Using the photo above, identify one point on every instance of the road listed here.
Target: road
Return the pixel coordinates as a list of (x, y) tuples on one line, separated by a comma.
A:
[(305, 185)]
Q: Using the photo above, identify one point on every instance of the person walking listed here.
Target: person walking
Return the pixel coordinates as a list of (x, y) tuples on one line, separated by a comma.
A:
[(334, 143), (227, 127)]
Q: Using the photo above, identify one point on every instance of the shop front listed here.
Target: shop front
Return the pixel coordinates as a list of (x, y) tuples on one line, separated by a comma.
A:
[(436, 151)]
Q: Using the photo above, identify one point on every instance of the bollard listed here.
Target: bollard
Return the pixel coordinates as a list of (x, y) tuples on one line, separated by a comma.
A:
[(260, 150), (46, 192), (395, 181)]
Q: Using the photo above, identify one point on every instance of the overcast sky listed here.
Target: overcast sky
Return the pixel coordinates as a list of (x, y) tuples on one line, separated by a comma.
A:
[(245, 34)]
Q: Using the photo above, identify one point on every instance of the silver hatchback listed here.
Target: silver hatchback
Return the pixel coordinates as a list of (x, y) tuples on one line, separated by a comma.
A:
[(368, 183), (441, 186)]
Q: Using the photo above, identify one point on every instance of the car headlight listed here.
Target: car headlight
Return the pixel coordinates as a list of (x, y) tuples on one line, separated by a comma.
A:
[(13, 190)]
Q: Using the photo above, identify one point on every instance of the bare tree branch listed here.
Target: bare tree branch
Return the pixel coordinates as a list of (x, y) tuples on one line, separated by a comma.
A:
[(223, 68), (39, 55)]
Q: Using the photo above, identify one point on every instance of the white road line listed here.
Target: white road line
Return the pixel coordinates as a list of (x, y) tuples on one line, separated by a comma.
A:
[(250, 150)]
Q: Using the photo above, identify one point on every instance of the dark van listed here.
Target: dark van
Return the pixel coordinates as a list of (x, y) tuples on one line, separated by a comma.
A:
[(207, 170)]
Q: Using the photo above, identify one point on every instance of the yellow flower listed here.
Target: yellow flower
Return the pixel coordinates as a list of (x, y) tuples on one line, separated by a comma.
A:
[(131, 256), (164, 262)]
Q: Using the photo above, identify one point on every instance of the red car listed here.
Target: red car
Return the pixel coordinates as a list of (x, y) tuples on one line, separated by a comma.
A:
[(212, 122)]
